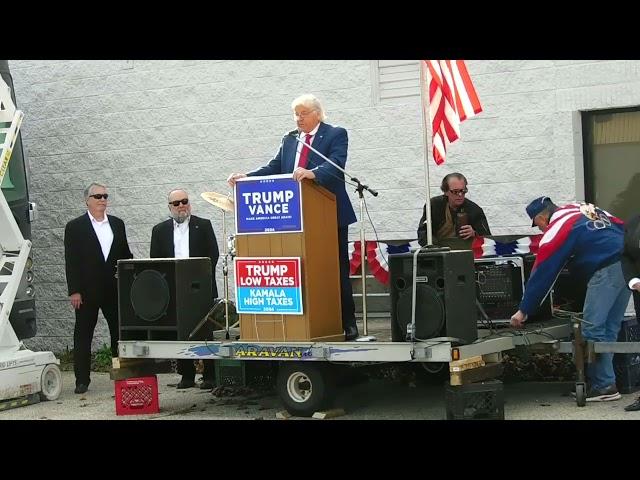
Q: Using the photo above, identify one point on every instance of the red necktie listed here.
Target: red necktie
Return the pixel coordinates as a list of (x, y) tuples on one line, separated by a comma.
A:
[(304, 154)]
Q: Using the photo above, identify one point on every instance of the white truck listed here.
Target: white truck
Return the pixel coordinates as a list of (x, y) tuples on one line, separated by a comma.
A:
[(25, 376)]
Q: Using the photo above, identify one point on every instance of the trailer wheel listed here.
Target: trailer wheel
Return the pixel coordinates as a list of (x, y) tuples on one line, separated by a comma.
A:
[(50, 382), (304, 388), (581, 394), (434, 373)]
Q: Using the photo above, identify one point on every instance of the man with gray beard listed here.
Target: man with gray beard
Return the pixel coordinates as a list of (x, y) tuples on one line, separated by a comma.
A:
[(183, 236)]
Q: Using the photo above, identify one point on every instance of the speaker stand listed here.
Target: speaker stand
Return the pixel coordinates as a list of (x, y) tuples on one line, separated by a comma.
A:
[(225, 273)]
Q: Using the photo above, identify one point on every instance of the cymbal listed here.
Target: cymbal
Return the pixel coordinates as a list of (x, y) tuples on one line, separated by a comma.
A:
[(219, 200)]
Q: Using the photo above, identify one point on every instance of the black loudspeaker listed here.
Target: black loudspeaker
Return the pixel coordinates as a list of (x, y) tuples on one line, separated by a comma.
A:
[(445, 295), (569, 291), (627, 365), (163, 298)]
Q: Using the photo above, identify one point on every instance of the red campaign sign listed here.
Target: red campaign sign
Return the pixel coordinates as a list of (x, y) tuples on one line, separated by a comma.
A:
[(268, 272)]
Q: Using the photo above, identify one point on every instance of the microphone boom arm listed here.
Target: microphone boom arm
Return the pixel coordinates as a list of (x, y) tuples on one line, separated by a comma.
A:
[(361, 187)]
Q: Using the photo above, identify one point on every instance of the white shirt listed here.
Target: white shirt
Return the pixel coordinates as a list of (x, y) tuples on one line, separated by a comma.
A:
[(303, 137), (181, 239), (104, 234)]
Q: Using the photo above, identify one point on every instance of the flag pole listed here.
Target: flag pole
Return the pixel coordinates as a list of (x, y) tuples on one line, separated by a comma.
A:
[(426, 130)]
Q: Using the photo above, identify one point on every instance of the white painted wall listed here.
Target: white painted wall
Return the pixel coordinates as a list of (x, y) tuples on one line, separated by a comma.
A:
[(145, 127)]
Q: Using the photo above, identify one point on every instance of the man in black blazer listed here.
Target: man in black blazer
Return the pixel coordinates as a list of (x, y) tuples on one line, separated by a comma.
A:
[(452, 213), (183, 236), (631, 269), (93, 244)]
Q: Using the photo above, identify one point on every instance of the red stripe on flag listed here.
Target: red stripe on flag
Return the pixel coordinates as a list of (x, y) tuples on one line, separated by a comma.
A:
[(470, 91), (452, 99)]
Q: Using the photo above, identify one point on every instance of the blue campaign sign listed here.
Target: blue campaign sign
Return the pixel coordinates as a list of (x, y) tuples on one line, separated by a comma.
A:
[(268, 205)]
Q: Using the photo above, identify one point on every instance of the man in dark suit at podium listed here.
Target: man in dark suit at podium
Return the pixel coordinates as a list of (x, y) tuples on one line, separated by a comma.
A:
[(93, 244), (293, 157), (183, 236)]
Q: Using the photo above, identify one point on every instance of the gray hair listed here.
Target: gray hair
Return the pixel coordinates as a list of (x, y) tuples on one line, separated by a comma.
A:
[(310, 101), (87, 191), (176, 190)]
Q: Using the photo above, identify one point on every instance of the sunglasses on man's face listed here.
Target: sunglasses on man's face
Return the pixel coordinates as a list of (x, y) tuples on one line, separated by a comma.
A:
[(175, 203), (100, 196)]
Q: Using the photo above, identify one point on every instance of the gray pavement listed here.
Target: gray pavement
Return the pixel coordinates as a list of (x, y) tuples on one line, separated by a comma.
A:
[(377, 399)]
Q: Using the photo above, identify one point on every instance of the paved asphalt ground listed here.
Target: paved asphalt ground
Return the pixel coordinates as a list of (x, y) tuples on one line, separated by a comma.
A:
[(373, 400)]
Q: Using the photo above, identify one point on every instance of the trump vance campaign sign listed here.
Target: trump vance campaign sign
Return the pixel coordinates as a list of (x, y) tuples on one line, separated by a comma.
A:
[(269, 285), (268, 205)]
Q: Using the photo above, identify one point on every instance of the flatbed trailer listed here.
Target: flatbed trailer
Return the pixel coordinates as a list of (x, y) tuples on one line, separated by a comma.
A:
[(305, 369)]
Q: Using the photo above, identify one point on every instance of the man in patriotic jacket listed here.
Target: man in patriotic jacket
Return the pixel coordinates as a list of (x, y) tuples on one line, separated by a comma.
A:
[(591, 241)]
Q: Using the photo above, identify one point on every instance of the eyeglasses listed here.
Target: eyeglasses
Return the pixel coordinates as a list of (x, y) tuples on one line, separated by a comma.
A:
[(303, 114), (100, 196), (175, 203), (461, 191)]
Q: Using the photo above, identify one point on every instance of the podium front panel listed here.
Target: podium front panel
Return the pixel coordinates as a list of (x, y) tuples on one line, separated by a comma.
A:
[(317, 248)]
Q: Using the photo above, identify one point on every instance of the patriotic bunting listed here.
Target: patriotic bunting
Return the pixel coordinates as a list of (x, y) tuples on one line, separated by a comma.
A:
[(378, 252)]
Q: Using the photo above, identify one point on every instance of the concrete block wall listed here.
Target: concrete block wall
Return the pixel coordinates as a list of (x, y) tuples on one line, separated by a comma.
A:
[(145, 127)]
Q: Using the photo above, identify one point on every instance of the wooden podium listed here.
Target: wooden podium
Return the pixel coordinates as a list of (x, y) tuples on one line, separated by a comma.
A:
[(317, 247)]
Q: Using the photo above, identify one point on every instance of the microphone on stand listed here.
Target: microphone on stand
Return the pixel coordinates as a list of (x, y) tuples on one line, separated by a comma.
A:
[(292, 133)]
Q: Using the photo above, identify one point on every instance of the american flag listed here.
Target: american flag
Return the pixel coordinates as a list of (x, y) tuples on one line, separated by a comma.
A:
[(452, 99)]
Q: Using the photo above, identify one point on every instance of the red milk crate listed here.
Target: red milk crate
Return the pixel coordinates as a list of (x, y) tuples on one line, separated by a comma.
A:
[(137, 396)]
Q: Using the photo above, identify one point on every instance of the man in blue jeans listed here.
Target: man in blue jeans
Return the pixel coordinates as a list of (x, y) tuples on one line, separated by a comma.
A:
[(591, 241)]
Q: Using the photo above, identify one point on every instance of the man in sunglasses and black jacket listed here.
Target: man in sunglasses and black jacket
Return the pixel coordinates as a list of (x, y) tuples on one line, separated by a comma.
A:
[(93, 244), (183, 236), (453, 215)]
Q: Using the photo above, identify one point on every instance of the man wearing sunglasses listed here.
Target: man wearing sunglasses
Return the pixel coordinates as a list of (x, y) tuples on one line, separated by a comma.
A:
[(453, 215), (93, 244), (183, 236)]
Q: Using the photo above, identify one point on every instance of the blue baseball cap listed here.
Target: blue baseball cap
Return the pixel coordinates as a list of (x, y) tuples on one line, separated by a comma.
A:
[(536, 206)]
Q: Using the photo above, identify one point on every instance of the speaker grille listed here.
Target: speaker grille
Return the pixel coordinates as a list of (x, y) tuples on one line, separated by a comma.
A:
[(150, 295), (429, 311)]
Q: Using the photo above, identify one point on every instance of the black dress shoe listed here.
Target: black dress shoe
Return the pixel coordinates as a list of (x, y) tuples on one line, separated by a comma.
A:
[(207, 385), (351, 333), (185, 384), (634, 407), (81, 388)]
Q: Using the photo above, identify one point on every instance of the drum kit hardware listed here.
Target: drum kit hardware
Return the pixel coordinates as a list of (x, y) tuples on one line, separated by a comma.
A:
[(225, 204)]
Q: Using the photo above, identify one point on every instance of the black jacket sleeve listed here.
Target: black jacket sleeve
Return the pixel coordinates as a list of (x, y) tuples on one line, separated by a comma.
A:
[(631, 252), (126, 251), (155, 251), (422, 227), (213, 253), (72, 260), (479, 222), (212, 243)]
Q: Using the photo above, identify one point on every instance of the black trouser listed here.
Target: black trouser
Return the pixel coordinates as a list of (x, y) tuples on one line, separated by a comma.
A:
[(187, 369), (86, 319), (346, 293)]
